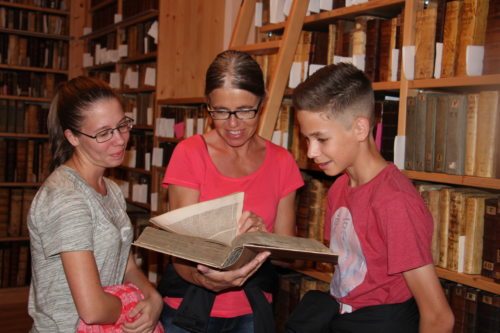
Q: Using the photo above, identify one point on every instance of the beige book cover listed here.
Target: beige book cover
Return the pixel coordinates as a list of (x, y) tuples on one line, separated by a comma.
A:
[(450, 38), (206, 233), (488, 124), (425, 35), (474, 230), (471, 134)]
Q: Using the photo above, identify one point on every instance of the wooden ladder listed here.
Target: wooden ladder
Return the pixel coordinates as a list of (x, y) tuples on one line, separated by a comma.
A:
[(285, 47)]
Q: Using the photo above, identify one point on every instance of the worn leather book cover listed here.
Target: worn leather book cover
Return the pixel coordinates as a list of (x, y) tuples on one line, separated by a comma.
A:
[(425, 36), (440, 135), (457, 304), (471, 134), (455, 138), (411, 119), (474, 228), (487, 134), (488, 313), (420, 131), (430, 131), (372, 48), (472, 30), (491, 238), (450, 38)]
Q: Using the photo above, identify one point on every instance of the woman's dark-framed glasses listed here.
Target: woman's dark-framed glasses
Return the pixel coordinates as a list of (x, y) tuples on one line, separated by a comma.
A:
[(222, 114), (105, 135)]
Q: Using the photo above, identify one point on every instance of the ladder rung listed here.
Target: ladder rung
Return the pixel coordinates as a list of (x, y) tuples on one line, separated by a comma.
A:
[(268, 47)]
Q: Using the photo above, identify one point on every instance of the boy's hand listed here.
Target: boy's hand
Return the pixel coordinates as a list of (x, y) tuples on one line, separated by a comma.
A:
[(250, 222), (220, 280)]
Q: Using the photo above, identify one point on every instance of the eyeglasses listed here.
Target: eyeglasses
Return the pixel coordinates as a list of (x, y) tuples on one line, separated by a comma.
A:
[(243, 114), (106, 135)]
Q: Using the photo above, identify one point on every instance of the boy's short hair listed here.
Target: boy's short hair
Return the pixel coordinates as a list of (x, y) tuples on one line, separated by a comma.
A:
[(341, 89)]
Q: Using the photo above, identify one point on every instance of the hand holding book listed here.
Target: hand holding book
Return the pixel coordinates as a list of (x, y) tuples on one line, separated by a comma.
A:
[(191, 233)]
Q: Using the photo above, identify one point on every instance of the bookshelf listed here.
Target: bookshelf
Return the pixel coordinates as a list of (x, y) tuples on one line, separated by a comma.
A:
[(34, 59), (120, 47), (404, 87)]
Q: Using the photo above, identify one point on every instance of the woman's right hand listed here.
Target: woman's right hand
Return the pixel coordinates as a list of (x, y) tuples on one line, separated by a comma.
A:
[(221, 280)]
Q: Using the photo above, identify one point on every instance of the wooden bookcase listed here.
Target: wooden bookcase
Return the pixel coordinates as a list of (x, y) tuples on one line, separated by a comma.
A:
[(404, 88), (34, 59)]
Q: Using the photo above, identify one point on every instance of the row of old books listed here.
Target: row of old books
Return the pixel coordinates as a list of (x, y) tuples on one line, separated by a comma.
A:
[(180, 121), (139, 39), (54, 4), (23, 160), (33, 21), (466, 233), (134, 7), (33, 52), (453, 133), (14, 264), (475, 311), (139, 107), (14, 207), (292, 287), (139, 150), (136, 40), (371, 43), (21, 117), (452, 36), (275, 11), (30, 84), (104, 16)]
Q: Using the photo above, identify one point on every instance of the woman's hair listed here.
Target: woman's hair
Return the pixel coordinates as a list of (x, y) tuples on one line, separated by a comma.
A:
[(238, 69), (67, 110), (342, 90)]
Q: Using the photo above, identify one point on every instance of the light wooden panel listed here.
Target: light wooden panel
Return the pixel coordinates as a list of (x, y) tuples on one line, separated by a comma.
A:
[(191, 34), (77, 21)]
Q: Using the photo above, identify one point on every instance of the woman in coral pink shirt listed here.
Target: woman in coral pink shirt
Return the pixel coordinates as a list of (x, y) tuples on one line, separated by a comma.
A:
[(230, 158)]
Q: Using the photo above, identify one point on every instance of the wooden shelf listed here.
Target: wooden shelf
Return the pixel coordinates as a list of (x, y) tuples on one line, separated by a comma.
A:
[(14, 239), (26, 99), (476, 281), (389, 85), (34, 34), (382, 8), (34, 69), (139, 58), (268, 47), (34, 8), (136, 90), (14, 184), (141, 17), (139, 204), (24, 135), (492, 80), (135, 170), (108, 65), (182, 100), (488, 183), (101, 4)]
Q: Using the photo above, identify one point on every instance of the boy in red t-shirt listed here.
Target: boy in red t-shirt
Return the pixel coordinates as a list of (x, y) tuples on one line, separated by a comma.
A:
[(385, 279)]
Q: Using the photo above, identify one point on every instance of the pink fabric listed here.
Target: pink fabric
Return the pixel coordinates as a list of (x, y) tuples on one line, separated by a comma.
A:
[(191, 166), (129, 295), (380, 230)]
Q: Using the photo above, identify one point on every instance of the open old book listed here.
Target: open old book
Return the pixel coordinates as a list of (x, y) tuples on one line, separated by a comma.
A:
[(205, 233)]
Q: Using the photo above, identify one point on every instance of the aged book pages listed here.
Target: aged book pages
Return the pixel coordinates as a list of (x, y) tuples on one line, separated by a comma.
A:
[(206, 233)]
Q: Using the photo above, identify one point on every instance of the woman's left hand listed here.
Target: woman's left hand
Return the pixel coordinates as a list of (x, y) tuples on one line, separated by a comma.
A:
[(144, 317), (250, 222)]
